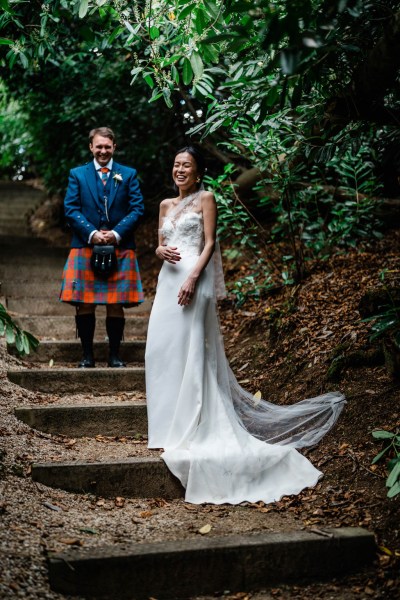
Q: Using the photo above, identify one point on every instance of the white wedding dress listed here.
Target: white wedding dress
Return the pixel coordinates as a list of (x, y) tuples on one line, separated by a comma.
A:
[(223, 445)]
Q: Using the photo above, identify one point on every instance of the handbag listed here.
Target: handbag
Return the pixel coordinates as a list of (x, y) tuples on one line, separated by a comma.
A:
[(103, 260)]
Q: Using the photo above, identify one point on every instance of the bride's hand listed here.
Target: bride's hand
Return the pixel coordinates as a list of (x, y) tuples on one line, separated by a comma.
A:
[(168, 253), (186, 292)]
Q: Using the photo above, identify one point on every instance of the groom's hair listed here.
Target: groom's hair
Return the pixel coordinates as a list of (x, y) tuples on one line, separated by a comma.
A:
[(104, 132)]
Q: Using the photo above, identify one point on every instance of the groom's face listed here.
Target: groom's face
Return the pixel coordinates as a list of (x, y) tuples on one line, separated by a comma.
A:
[(102, 149)]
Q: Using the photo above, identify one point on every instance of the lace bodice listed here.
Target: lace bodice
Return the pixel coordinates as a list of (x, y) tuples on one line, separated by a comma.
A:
[(183, 228)]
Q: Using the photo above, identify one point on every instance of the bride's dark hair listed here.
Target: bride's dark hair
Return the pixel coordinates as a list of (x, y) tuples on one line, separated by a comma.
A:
[(198, 157)]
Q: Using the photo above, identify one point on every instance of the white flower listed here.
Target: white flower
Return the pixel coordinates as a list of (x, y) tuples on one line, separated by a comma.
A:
[(117, 177)]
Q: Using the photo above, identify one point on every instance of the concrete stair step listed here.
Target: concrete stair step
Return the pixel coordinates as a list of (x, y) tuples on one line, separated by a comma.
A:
[(209, 565), (75, 380), (13, 230), (34, 268), (32, 288), (38, 306), (71, 352), (87, 421), (48, 304), (63, 327), (38, 249), (134, 477)]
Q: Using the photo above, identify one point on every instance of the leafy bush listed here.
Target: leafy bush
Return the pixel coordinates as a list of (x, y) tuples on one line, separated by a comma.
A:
[(392, 448), (23, 340)]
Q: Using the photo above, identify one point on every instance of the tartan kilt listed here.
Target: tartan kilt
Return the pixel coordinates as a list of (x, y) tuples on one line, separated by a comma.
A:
[(81, 285)]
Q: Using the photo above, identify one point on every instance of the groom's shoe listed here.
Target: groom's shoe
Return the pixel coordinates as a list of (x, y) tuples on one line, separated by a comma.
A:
[(85, 326), (115, 331)]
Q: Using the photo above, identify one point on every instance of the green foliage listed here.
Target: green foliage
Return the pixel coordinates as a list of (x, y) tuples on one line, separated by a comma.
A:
[(24, 341), (386, 323), (391, 449), (15, 139), (278, 86), (235, 222)]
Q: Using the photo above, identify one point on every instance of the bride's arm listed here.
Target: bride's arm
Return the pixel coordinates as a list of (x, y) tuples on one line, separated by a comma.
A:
[(209, 208), (164, 252)]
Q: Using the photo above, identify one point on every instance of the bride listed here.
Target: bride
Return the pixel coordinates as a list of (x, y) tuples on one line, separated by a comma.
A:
[(224, 445)]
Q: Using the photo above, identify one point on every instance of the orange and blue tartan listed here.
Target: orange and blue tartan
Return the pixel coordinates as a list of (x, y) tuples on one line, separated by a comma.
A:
[(80, 284)]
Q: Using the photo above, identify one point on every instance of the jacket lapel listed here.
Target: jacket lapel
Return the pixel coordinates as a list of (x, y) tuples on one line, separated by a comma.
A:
[(91, 174), (114, 184)]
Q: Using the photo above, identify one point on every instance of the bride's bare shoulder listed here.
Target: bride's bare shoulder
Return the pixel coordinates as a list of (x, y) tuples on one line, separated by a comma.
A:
[(166, 204), (207, 198)]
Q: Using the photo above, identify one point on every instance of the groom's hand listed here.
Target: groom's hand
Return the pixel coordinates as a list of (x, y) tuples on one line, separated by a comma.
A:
[(110, 237), (99, 238)]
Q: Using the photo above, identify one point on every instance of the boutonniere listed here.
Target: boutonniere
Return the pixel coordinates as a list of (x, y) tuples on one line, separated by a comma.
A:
[(117, 178)]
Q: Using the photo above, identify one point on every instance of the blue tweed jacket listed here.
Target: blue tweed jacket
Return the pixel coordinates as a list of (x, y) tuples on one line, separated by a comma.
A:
[(85, 209)]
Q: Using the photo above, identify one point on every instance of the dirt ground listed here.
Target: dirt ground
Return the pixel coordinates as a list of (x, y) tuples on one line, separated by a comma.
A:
[(281, 345)]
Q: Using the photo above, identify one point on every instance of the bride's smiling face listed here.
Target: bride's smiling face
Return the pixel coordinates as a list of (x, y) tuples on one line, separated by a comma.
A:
[(185, 173)]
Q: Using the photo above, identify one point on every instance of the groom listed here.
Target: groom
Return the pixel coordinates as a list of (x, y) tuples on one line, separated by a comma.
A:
[(102, 205)]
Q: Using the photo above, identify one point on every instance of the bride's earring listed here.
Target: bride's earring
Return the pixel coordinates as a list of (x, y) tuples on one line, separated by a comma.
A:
[(198, 180)]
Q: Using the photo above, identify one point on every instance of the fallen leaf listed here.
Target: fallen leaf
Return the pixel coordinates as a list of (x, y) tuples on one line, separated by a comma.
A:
[(51, 362), (88, 530), (385, 550), (119, 502), (205, 529), (71, 541), (257, 398), (52, 506), (146, 514)]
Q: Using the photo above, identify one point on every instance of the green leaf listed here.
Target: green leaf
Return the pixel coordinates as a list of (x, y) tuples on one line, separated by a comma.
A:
[(212, 8), (197, 64), (149, 80), (26, 347), (382, 435), (186, 11), (24, 60), (32, 340), (394, 475), (394, 490), (83, 8), (379, 456), (19, 342), (187, 72), (10, 334), (167, 97), (4, 4), (154, 32), (6, 41), (175, 74)]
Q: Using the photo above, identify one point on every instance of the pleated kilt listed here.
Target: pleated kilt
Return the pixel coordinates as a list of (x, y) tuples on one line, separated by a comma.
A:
[(80, 284)]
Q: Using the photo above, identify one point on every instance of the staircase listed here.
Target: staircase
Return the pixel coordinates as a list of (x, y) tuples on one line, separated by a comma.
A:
[(30, 272)]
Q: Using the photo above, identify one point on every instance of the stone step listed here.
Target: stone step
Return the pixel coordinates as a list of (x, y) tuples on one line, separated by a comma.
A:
[(8, 220), (71, 381), (39, 248), (31, 288), (71, 352), (87, 421), (13, 230), (34, 268), (49, 306), (209, 565), (43, 304), (63, 327), (134, 477)]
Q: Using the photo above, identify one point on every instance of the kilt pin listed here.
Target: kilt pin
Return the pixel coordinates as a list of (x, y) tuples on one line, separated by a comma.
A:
[(90, 206)]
